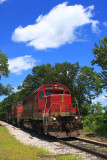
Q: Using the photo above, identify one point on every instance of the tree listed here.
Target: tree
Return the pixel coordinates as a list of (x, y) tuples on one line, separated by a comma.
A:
[(5, 90), (5, 72), (4, 65), (96, 119), (100, 53), (27, 87), (88, 85), (10, 101)]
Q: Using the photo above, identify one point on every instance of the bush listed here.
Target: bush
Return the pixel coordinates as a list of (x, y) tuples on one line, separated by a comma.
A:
[(96, 120)]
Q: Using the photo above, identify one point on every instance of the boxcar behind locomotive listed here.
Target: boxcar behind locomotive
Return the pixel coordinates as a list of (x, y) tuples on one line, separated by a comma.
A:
[(49, 109)]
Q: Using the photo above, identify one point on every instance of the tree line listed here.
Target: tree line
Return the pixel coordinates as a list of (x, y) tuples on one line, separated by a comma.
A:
[(85, 83)]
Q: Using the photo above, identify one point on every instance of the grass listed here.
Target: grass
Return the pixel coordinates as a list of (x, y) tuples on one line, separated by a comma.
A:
[(64, 157), (91, 147), (12, 149), (93, 136)]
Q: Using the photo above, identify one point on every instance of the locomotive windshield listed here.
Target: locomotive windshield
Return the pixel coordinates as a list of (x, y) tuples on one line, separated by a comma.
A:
[(58, 92), (49, 93), (19, 105), (53, 92)]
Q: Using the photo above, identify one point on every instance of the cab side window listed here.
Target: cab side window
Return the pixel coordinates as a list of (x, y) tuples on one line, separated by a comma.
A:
[(41, 94)]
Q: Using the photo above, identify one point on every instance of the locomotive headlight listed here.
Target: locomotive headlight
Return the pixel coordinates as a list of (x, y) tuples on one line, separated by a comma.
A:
[(76, 117), (54, 118)]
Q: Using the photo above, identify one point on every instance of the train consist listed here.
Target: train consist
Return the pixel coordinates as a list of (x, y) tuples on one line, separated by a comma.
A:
[(50, 110)]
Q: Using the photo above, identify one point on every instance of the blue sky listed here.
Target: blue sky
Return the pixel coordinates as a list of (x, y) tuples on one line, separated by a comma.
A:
[(49, 31)]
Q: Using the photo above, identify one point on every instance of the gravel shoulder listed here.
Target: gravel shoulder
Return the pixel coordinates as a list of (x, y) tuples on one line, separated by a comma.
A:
[(55, 148)]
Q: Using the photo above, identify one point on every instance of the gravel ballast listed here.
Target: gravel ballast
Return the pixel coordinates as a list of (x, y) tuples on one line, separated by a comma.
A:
[(55, 148)]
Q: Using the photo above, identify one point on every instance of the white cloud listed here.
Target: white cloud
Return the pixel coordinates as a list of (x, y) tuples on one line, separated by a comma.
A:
[(105, 23), (15, 89), (102, 99), (56, 28), (19, 64), (1, 1), (95, 28)]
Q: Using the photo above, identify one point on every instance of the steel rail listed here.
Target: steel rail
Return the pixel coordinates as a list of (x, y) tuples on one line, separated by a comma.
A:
[(92, 142), (84, 149)]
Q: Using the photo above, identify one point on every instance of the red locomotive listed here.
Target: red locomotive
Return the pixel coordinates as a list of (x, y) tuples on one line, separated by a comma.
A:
[(17, 112), (50, 110)]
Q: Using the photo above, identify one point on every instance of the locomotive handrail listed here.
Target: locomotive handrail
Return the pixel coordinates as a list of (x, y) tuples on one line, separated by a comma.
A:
[(44, 110), (76, 106)]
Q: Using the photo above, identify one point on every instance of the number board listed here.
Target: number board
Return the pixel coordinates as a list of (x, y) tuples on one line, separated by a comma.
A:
[(61, 88), (49, 88)]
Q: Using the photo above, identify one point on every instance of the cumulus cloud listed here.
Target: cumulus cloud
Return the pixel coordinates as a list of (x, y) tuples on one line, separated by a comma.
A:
[(19, 64), (1, 1), (56, 28), (102, 98)]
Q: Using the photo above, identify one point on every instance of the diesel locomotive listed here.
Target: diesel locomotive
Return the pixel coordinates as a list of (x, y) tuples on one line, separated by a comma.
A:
[(50, 110)]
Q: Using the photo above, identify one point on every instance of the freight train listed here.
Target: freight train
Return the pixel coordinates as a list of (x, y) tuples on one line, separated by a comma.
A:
[(50, 110)]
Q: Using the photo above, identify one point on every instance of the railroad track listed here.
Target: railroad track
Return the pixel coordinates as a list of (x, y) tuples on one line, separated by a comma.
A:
[(92, 142), (88, 150), (72, 143)]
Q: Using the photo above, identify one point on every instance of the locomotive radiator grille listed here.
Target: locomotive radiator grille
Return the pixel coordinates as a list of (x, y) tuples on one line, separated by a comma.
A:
[(58, 107)]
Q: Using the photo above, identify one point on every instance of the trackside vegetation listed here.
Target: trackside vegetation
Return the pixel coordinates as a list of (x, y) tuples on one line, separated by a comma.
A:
[(95, 120), (11, 149)]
